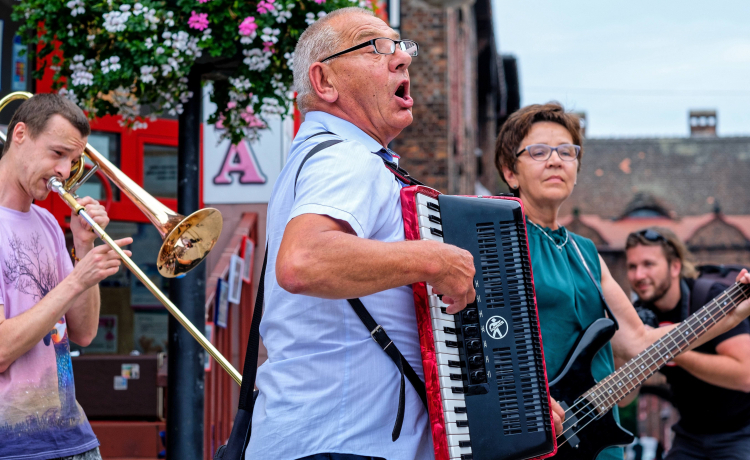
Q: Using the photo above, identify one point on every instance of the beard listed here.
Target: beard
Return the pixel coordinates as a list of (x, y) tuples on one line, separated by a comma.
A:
[(660, 290)]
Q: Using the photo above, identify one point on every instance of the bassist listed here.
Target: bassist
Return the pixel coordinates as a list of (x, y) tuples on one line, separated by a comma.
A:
[(710, 385)]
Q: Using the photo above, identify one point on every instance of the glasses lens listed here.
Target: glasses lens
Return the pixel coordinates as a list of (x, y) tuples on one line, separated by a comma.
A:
[(411, 48), (567, 152), (385, 46), (539, 151)]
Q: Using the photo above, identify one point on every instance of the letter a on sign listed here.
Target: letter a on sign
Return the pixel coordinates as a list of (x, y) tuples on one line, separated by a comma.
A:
[(240, 159)]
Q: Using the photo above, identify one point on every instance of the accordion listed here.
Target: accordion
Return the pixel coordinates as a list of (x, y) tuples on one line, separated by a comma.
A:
[(487, 391)]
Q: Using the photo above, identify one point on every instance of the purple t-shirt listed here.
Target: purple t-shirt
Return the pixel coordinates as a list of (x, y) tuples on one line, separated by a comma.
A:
[(39, 416)]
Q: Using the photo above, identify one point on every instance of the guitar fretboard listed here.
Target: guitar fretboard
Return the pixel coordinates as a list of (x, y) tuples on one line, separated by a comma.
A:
[(617, 385)]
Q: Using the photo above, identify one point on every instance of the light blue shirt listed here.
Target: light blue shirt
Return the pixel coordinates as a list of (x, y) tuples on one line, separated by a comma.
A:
[(327, 386)]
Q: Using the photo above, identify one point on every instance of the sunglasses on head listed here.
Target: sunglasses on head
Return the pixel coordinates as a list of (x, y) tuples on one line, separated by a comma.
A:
[(652, 235)]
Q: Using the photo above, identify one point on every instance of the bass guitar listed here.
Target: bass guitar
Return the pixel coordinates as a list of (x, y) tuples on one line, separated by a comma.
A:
[(589, 425)]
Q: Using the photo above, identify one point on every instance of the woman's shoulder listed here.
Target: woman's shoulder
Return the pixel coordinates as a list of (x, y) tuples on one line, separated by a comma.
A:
[(588, 248)]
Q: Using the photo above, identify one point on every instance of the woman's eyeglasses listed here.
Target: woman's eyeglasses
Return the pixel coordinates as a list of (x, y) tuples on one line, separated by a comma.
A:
[(542, 152)]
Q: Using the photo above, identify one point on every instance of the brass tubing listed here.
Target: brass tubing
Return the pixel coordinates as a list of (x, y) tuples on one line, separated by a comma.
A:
[(56, 186)]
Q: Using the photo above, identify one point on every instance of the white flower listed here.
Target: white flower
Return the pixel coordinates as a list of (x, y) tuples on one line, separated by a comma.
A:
[(76, 7), (149, 42), (114, 21), (90, 38), (147, 74), (167, 42), (321, 14), (138, 9), (283, 16), (125, 7), (310, 18), (160, 50), (256, 59), (78, 58)]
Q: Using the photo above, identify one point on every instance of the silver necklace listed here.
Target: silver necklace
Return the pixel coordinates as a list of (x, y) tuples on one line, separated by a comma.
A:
[(558, 246)]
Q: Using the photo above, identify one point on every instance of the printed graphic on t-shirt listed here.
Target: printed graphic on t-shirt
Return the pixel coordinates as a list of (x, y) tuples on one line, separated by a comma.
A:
[(38, 408)]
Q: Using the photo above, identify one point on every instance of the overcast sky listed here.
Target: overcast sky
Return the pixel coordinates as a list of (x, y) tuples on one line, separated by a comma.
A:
[(637, 67)]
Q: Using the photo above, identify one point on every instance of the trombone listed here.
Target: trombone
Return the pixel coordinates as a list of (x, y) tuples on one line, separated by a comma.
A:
[(187, 240)]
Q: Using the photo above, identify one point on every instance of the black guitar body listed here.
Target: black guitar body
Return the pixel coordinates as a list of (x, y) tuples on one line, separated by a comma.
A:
[(574, 380)]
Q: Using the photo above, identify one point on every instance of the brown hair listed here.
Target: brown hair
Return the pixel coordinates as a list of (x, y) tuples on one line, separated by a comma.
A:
[(671, 246), (518, 125), (37, 111)]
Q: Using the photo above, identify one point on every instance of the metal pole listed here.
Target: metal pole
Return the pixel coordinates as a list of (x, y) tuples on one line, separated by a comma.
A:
[(185, 365)]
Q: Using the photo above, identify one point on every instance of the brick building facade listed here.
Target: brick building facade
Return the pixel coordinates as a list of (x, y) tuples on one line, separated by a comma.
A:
[(459, 90), (694, 186)]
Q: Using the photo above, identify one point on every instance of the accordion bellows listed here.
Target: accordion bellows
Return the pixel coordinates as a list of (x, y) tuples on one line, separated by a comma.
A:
[(487, 391)]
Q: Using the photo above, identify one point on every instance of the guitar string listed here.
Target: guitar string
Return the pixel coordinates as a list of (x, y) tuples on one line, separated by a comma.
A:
[(729, 293), (648, 351), (583, 401)]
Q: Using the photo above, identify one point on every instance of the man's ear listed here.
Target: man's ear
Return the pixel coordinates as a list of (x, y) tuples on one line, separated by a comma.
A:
[(675, 268), (323, 86), (20, 133), (510, 177)]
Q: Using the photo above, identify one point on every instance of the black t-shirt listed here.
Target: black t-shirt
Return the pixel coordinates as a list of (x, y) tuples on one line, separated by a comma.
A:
[(704, 408)]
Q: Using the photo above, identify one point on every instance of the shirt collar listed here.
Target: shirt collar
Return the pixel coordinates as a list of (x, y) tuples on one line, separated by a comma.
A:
[(316, 122)]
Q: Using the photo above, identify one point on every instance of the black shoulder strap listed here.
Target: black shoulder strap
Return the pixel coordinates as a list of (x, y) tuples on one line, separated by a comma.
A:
[(380, 337), (250, 368), (593, 280)]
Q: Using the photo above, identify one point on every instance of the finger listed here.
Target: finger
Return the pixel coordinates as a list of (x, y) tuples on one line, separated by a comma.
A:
[(124, 241), (743, 276)]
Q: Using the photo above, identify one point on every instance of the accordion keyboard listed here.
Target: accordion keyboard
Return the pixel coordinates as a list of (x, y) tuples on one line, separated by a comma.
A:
[(489, 367)]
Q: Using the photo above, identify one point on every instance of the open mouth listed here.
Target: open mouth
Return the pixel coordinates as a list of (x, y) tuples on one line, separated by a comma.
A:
[(401, 91)]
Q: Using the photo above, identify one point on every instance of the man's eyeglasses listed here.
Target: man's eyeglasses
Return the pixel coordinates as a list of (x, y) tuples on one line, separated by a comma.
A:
[(542, 152), (382, 46)]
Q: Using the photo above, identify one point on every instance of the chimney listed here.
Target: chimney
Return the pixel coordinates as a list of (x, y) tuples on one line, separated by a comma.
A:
[(703, 123), (582, 121)]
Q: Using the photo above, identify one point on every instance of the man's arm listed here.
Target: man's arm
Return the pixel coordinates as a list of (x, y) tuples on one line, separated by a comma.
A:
[(728, 368), (633, 337), (21, 333), (322, 257)]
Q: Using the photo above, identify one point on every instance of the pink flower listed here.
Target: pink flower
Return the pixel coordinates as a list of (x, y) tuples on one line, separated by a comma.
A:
[(203, 1), (220, 121), (231, 104), (316, 1), (250, 118), (264, 6), (248, 26), (198, 21), (267, 46)]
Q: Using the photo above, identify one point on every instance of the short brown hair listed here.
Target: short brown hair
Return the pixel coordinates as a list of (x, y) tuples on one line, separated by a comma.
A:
[(518, 125), (673, 248), (37, 111)]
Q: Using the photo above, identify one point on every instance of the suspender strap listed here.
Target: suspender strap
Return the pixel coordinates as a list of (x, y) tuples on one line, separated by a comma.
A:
[(593, 280), (322, 146), (380, 337), (250, 369)]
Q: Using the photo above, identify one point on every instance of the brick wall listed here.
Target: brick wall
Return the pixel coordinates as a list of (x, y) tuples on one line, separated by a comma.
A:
[(438, 148)]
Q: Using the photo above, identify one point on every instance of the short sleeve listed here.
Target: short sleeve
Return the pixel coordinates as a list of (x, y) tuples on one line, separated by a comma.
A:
[(345, 182), (742, 328)]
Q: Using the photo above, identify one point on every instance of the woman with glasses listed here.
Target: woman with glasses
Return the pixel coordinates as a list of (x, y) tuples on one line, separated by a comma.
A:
[(538, 154)]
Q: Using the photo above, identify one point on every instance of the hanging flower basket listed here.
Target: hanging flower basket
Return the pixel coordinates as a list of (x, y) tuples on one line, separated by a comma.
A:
[(115, 57)]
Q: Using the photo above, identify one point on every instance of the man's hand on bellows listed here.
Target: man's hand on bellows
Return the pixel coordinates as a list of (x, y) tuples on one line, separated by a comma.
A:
[(98, 264), (455, 280)]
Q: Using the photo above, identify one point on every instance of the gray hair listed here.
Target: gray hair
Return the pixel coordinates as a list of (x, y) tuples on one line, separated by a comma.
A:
[(316, 42)]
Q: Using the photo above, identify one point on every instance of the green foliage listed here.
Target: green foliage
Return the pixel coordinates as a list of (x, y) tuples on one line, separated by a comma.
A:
[(113, 57)]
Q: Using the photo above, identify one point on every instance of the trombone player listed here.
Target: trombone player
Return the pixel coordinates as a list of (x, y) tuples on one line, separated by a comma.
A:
[(45, 300)]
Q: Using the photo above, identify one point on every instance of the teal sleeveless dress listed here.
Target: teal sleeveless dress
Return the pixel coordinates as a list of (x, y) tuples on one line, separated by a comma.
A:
[(568, 302)]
